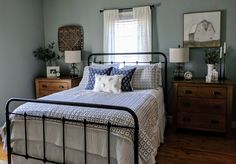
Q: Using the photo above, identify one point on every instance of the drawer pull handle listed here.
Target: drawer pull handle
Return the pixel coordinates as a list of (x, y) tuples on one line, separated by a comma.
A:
[(216, 93), (188, 92), (185, 119), (44, 86), (215, 122), (61, 86)]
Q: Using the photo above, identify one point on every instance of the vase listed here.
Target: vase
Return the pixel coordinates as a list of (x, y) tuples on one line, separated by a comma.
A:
[(210, 68)]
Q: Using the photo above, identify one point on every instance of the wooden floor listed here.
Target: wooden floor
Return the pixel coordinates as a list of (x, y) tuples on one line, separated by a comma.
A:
[(188, 147), (3, 156), (191, 147)]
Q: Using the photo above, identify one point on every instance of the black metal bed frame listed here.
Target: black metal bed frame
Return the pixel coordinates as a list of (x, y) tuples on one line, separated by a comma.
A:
[(153, 54), (84, 122)]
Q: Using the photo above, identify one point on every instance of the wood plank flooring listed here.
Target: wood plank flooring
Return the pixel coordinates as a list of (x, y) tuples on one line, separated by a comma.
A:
[(188, 147), (192, 147), (3, 155)]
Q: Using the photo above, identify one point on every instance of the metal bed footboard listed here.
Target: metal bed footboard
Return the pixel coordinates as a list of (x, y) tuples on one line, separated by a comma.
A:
[(64, 121)]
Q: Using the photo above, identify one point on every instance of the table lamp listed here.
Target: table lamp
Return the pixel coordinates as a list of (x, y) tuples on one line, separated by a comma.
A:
[(73, 57), (179, 56)]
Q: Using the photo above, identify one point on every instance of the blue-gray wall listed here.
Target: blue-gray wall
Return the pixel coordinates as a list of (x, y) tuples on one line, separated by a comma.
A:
[(21, 31), (168, 26), (28, 24)]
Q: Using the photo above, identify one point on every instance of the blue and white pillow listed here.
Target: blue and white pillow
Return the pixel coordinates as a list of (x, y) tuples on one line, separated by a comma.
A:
[(127, 77), (92, 72), (83, 83), (146, 76)]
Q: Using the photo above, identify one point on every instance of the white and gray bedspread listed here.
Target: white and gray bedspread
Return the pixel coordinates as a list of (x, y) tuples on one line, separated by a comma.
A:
[(145, 103)]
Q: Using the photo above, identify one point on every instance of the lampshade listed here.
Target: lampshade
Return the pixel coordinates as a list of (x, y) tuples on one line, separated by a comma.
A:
[(179, 55), (72, 56)]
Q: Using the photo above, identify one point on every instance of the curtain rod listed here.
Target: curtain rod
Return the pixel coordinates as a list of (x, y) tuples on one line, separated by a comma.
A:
[(120, 9)]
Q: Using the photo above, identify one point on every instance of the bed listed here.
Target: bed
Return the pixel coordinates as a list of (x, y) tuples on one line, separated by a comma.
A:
[(84, 126)]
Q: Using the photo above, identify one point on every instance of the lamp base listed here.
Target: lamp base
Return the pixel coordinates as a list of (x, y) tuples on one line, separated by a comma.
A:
[(178, 72), (74, 70)]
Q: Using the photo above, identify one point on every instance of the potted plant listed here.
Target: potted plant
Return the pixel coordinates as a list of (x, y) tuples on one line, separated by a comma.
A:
[(212, 57), (47, 54)]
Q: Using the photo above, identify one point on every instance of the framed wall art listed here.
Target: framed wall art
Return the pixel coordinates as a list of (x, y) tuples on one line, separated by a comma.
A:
[(70, 37), (202, 29)]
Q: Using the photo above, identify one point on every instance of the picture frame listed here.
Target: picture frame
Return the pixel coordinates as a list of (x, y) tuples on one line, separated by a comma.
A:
[(53, 71), (202, 29)]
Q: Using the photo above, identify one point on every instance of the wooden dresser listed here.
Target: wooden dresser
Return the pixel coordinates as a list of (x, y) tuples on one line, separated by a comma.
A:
[(47, 86), (202, 106)]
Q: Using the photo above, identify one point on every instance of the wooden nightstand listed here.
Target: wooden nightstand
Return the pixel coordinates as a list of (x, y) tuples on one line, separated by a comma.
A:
[(202, 106), (46, 86)]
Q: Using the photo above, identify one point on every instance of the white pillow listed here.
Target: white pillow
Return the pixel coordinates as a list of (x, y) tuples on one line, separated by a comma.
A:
[(105, 83), (84, 81), (147, 76)]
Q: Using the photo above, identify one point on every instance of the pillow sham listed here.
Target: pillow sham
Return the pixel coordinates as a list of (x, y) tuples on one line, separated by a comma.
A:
[(115, 65), (104, 83), (91, 77), (127, 77), (84, 81), (147, 76)]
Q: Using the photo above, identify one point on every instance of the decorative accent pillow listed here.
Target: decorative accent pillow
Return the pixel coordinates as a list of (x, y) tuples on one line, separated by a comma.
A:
[(92, 72), (147, 76), (84, 81), (104, 83), (127, 77)]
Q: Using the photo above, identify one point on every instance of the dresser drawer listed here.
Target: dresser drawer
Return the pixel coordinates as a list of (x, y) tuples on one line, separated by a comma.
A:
[(212, 92), (188, 91), (53, 86), (45, 93), (200, 105), (201, 121), (204, 92), (46, 86)]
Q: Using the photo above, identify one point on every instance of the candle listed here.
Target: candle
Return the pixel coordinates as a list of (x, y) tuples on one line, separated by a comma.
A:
[(224, 47), (220, 52)]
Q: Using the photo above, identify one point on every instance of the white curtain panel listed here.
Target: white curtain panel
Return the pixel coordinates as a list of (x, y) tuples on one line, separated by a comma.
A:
[(110, 18), (143, 15)]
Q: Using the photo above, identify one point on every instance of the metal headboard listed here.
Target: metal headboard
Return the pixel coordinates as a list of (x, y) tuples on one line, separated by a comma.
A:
[(163, 60)]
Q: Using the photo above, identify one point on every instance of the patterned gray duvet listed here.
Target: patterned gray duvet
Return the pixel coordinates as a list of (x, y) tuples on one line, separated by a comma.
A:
[(147, 104)]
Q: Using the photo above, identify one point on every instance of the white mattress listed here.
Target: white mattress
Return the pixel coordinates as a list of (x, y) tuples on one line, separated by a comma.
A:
[(97, 145)]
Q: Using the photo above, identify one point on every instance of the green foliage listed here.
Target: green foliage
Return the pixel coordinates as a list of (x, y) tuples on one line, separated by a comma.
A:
[(212, 56), (47, 54)]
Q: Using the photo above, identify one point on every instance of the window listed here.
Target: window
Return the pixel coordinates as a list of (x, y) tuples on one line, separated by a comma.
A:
[(128, 31), (126, 37)]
